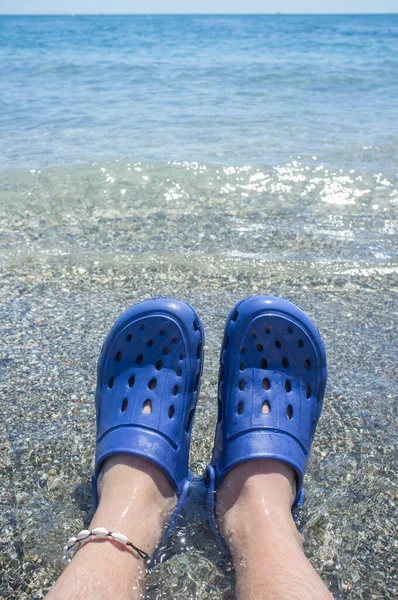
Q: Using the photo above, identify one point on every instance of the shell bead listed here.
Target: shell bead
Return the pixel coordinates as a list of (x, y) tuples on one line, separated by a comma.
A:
[(100, 532), (71, 542), (119, 537), (83, 534)]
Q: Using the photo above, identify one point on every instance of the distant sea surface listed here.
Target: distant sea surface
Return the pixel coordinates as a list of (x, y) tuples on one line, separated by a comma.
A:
[(231, 89), (206, 158)]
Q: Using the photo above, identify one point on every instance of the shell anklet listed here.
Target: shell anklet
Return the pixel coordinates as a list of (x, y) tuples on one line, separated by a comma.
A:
[(83, 537)]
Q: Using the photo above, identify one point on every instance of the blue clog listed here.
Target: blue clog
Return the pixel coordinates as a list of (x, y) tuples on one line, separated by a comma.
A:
[(271, 385), (147, 387)]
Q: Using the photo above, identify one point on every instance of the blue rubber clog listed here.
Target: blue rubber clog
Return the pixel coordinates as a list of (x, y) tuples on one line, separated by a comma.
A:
[(147, 388), (271, 385)]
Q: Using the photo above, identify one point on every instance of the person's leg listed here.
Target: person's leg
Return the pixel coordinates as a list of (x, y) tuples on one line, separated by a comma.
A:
[(147, 388), (271, 386), (254, 516), (136, 499)]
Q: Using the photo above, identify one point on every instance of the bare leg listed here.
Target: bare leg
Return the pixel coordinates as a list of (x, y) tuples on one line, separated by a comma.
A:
[(254, 515), (136, 499)]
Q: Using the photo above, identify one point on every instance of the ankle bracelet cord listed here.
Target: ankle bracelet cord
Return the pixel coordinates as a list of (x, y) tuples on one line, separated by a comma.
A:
[(83, 537)]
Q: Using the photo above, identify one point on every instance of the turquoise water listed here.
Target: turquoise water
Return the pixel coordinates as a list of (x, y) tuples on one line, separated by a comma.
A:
[(207, 158), (251, 89)]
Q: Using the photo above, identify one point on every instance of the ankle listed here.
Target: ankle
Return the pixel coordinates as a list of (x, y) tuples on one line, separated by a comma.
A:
[(136, 499), (270, 479), (254, 503), (257, 526), (132, 476)]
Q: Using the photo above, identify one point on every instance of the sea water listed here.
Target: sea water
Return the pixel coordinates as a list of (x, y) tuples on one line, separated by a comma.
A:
[(209, 158)]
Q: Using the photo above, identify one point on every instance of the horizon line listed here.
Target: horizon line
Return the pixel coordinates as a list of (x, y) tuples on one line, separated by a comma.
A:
[(181, 14)]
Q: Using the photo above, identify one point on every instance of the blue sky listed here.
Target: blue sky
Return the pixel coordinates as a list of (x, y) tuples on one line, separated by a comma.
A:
[(195, 6)]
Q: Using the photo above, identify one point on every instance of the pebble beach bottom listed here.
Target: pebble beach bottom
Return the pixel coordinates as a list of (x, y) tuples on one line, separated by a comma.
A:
[(80, 245)]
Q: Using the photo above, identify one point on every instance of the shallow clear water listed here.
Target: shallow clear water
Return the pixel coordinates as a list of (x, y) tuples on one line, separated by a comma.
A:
[(206, 158)]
